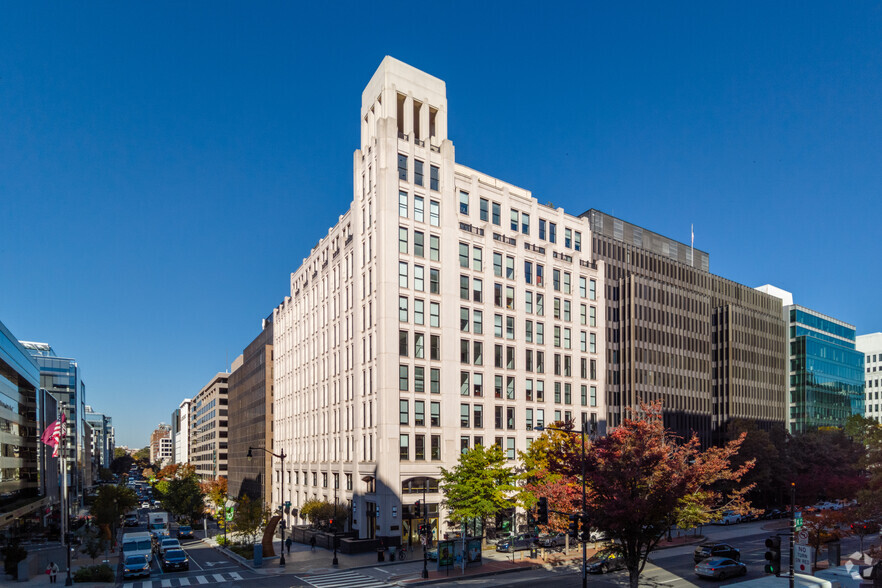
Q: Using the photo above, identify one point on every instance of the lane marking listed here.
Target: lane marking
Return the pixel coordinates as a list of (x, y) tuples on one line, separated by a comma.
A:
[(201, 580), (235, 575), (219, 577)]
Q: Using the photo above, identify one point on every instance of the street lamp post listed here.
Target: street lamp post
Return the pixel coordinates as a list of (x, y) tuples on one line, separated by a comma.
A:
[(584, 432), (281, 457), (65, 498), (425, 514)]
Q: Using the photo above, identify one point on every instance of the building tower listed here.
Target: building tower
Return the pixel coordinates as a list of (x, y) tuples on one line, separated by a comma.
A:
[(871, 346)]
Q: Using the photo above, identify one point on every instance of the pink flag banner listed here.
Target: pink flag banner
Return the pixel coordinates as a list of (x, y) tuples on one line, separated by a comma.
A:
[(52, 435)]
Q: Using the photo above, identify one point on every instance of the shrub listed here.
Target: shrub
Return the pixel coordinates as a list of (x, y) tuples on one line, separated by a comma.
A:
[(99, 573)]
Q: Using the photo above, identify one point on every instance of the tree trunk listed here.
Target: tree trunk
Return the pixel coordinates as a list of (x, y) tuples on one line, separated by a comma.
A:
[(634, 577)]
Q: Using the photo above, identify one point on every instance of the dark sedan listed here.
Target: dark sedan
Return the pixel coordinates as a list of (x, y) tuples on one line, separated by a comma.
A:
[(720, 568), (552, 541), (185, 532), (706, 550), (175, 559), (516, 543), (605, 561)]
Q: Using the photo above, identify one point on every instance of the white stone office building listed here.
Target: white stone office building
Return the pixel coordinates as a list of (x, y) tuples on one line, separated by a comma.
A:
[(871, 346), (445, 309), (181, 432)]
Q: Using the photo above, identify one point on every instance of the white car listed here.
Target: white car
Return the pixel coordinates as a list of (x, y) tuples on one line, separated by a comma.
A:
[(145, 504), (169, 543), (728, 517)]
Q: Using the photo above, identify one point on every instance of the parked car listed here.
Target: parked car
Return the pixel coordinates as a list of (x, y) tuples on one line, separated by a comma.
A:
[(175, 559), (136, 566), (552, 541), (774, 513), (604, 561), (517, 543), (715, 550), (719, 568), (728, 517), (185, 532)]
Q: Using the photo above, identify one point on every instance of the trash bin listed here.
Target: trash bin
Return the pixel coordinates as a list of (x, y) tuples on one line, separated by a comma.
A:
[(534, 553), (380, 552)]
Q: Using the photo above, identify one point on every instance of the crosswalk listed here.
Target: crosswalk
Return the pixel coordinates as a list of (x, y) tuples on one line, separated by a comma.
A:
[(224, 578), (344, 579)]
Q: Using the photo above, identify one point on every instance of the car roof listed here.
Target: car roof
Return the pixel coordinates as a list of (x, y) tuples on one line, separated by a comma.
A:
[(714, 544), (169, 540), (175, 552), (136, 556), (716, 561)]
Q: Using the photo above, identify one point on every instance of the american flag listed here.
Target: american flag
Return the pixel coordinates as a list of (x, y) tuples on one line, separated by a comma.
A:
[(52, 435)]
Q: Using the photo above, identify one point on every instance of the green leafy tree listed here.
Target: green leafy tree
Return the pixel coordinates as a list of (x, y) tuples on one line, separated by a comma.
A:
[(639, 478), (479, 486), (180, 492), (121, 464), (93, 541), (216, 491), (111, 503), (105, 475), (249, 517), (547, 472), (319, 512), (143, 455)]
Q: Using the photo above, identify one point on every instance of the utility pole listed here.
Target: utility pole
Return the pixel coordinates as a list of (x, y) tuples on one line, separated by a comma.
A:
[(792, 527)]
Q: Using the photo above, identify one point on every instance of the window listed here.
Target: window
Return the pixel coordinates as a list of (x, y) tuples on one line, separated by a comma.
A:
[(478, 385), (402, 274), (556, 312), (568, 238), (463, 255), (509, 267), (464, 351), (542, 229), (464, 414), (485, 209), (540, 333), (434, 213), (435, 380), (510, 447), (435, 347), (435, 415), (592, 290), (529, 419), (584, 395), (496, 214), (478, 355), (592, 342), (434, 281), (557, 394), (567, 341), (514, 220), (497, 356), (497, 417), (592, 317), (497, 325), (403, 379), (419, 379), (509, 327), (497, 264), (539, 275), (540, 304), (478, 322), (555, 280), (434, 247), (540, 362), (418, 312), (528, 302), (419, 413), (525, 223), (403, 412), (528, 390), (583, 290), (418, 242), (464, 318), (419, 345), (578, 243), (417, 172), (528, 331), (402, 309), (510, 418), (540, 417), (566, 282), (419, 278), (436, 447), (510, 389), (434, 177), (434, 314), (477, 290), (528, 272), (464, 444), (552, 233), (509, 297), (464, 203), (497, 294), (418, 209), (566, 310), (419, 447), (593, 397), (497, 387), (402, 343), (477, 259), (404, 447), (402, 240), (402, 203), (402, 167), (568, 393), (478, 416), (583, 344)]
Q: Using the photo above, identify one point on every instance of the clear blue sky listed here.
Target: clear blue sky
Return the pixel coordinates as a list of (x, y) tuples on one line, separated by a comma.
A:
[(165, 166)]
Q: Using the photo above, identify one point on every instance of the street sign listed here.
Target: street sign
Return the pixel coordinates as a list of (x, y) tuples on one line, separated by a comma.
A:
[(802, 558), (803, 537), (797, 520), (287, 504)]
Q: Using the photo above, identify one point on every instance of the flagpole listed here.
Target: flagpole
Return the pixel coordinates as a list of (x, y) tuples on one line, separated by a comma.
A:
[(62, 441)]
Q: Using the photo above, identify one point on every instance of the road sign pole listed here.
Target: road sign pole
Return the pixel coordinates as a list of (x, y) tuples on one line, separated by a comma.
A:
[(792, 527)]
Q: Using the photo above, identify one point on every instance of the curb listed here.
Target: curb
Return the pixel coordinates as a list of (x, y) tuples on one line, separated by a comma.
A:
[(426, 582)]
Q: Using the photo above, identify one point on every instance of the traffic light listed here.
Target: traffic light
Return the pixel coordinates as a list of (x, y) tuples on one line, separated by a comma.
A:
[(585, 535), (773, 555), (422, 529), (573, 531), (416, 509), (542, 514)]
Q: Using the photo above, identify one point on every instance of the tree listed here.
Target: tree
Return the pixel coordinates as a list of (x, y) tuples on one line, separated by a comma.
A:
[(93, 541), (182, 495), (317, 512), (768, 476), (479, 486), (216, 491), (105, 475), (111, 503), (639, 478), (822, 527), (250, 516), (121, 464), (826, 465), (143, 454)]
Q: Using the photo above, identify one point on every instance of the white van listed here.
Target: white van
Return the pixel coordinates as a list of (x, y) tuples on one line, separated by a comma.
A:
[(137, 544)]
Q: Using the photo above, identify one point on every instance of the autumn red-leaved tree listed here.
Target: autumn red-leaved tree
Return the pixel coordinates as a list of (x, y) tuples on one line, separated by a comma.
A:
[(639, 476)]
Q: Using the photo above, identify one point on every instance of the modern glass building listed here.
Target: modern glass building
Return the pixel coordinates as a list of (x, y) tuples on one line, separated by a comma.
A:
[(826, 370), (62, 378), (19, 471)]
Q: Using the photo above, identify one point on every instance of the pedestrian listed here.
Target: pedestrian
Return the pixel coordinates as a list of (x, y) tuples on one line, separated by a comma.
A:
[(312, 543), (288, 545), (52, 570)]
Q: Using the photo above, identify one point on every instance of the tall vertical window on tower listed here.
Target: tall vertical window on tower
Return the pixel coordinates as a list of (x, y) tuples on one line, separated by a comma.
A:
[(417, 172), (418, 209), (402, 204), (434, 177), (464, 203), (434, 213), (485, 209), (402, 167), (496, 214)]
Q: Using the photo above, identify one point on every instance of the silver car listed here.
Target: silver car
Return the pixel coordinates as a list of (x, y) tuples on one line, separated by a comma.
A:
[(720, 568)]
